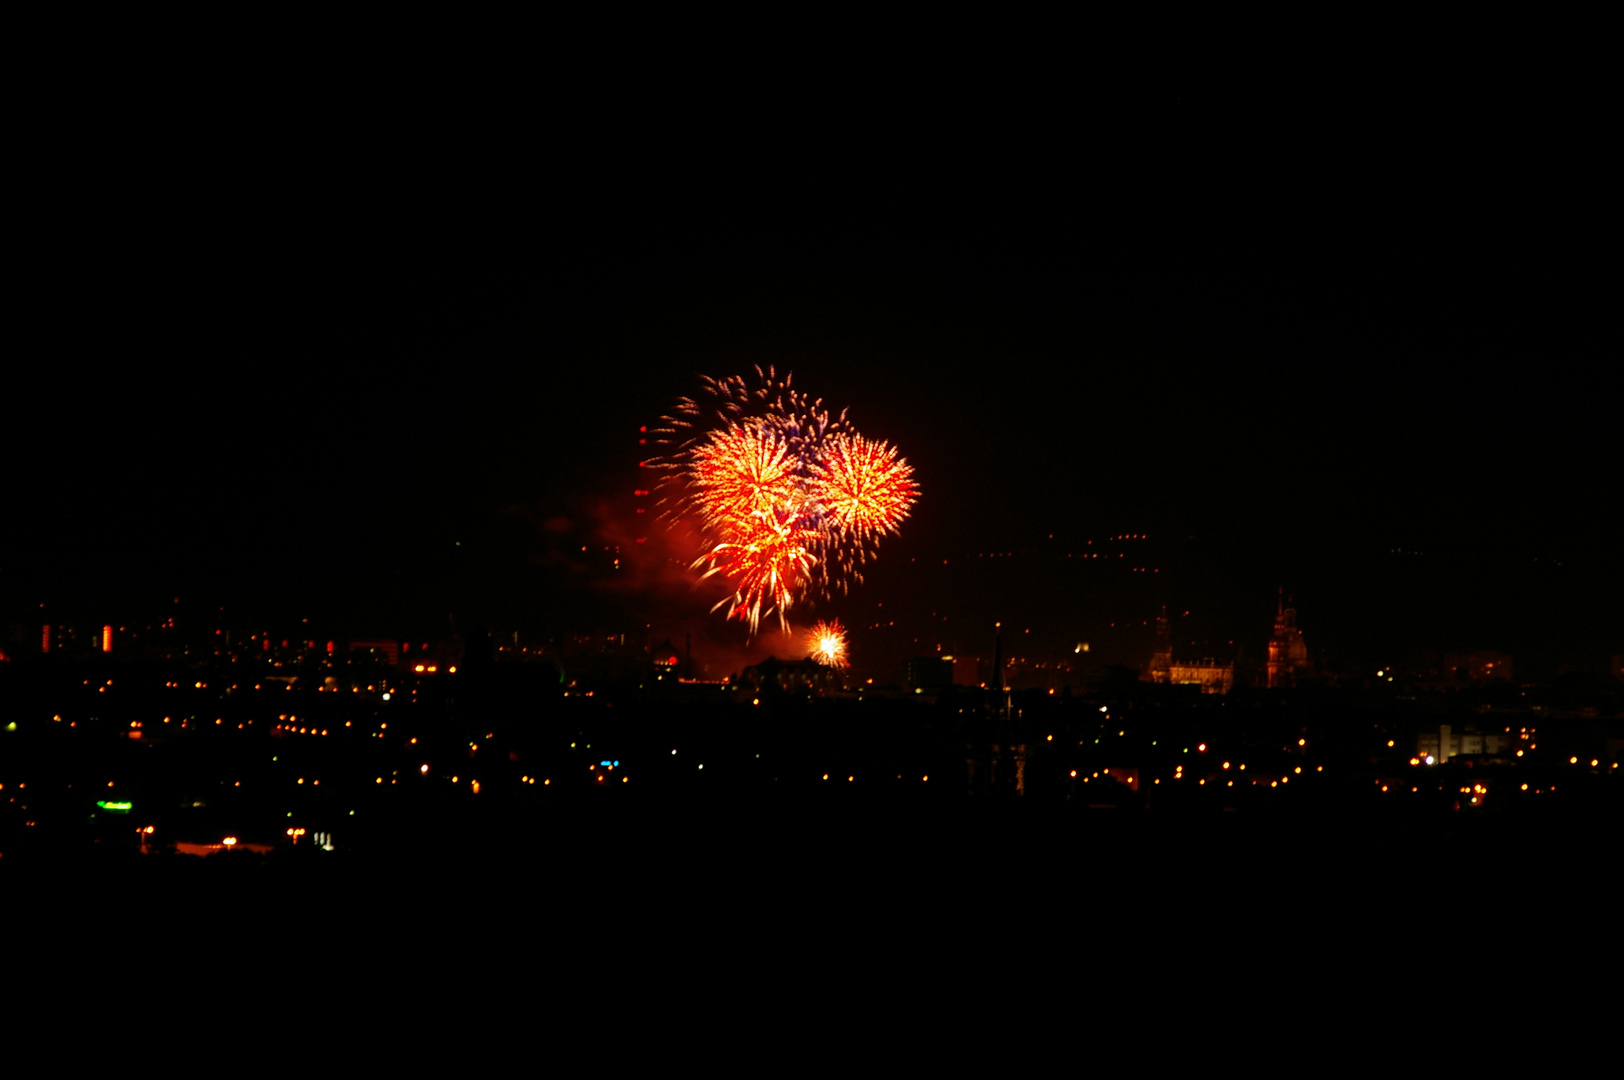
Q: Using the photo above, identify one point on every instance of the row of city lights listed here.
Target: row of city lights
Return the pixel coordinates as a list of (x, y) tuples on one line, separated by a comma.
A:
[(1477, 791)]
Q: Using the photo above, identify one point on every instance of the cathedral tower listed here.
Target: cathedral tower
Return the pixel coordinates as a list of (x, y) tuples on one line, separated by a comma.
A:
[(1288, 655)]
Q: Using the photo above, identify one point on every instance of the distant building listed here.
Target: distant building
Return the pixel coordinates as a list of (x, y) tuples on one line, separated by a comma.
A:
[(1212, 676), (930, 673), (775, 676), (1288, 655), (1161, 661), (1446, 743), (387, 651), (995, 768), (1478, 667), (667, 662)]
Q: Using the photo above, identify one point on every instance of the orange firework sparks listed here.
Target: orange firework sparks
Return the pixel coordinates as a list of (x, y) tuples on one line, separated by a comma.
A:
[(787, 500), (766, 556), (865, 489), (827, 643), (738, 472)]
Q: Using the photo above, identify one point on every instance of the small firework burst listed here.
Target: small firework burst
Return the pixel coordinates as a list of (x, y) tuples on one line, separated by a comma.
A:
[(826, 642)]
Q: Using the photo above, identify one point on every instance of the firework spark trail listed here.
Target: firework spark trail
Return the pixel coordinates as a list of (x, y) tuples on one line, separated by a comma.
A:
[(826, 642), (788, 501), (766, 556)]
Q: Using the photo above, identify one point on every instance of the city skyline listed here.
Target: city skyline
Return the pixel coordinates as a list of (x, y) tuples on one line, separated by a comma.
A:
[(1327, 351), (1257, 510)]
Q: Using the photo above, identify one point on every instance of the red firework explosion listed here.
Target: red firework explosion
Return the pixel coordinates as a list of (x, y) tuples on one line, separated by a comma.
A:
[(787, 500)]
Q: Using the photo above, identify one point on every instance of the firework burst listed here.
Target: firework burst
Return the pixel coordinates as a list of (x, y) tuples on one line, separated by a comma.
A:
[(826, 642), (740, 472), (865, 490), (789, 501), (767, 557)]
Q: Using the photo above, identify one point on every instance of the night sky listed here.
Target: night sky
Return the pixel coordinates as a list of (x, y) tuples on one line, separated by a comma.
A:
[(287, 353)]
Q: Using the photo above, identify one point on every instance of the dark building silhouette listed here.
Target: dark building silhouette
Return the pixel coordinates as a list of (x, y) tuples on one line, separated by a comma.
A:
[(775, 676), (930, 673)]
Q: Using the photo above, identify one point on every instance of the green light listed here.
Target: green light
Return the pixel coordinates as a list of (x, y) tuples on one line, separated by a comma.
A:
[(119, 806)]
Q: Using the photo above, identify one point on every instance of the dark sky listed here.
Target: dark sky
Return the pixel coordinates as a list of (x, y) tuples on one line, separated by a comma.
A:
[(290, 350)]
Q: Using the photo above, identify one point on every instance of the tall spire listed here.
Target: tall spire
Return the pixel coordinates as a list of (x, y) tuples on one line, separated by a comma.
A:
[(998, 658), (1161, 661), (1288, 655)]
